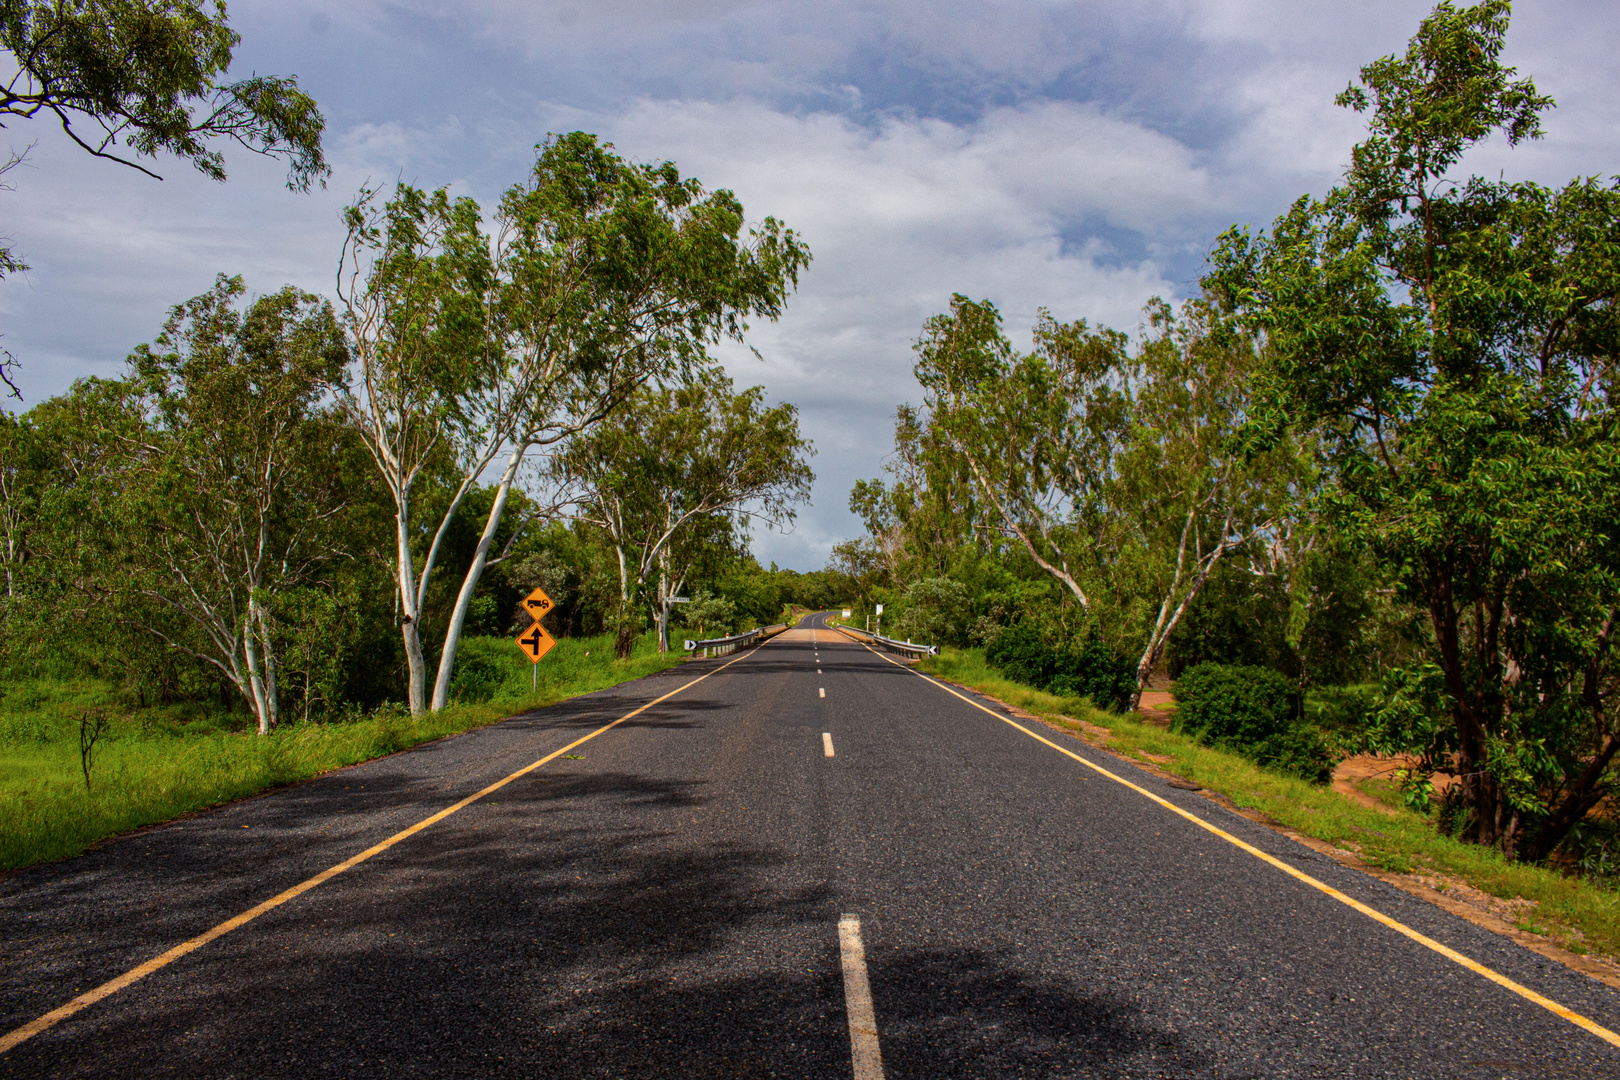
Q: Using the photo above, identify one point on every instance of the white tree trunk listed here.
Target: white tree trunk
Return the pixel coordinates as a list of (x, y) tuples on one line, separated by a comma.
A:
[(250, 654), (469, 584), (410, 613), (272, 715)]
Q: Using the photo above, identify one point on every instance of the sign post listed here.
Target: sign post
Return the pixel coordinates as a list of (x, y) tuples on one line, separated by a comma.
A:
[(534, 641), (880, 620)]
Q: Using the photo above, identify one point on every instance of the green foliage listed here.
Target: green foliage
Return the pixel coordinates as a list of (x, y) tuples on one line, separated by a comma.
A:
[(477, 677), (1449, 340), (667, 479), (1024, 653), (1313, 617), (1255, 711), (1113, 470), (149, 74), (935, 611), (602, 277), (1242, 705), (709, 615)]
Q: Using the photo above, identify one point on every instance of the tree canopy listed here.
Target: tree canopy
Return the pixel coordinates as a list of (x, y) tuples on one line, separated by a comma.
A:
[(1452, 340), (149, 76)]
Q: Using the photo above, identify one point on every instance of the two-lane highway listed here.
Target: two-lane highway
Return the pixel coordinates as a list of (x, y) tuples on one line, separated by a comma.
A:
[(811, 863)]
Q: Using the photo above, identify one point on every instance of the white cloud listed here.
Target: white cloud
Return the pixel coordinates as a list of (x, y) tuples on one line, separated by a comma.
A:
[(899, 216)]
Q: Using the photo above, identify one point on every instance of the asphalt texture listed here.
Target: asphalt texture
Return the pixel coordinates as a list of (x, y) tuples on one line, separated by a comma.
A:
[(666, 904)]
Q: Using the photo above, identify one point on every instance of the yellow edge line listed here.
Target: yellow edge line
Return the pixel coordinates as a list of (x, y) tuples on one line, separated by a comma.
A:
[(112, 986), (1401, 928)]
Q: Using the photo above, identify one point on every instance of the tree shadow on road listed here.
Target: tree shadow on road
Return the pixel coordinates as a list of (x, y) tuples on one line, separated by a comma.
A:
[(970, 1013)]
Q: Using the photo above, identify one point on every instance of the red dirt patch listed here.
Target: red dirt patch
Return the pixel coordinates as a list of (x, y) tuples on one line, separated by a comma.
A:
[(1155, 707), (1352, 770)]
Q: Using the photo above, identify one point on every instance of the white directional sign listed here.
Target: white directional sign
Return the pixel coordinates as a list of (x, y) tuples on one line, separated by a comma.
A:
[(846, 613), (880, 609)]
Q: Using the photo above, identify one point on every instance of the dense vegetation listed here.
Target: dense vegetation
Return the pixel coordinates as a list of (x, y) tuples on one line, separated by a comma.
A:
[(286, 508), (1360, 491)]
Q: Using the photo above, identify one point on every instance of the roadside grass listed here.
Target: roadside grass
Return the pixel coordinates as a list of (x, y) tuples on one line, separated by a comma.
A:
[(1572, 912), (158, 763)]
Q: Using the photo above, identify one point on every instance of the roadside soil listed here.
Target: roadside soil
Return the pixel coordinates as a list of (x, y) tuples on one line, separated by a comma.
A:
[(1353, 772), (1156, 706)]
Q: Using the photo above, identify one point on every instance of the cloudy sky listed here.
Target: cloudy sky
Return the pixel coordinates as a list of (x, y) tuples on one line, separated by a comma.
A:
[(1076, 156)]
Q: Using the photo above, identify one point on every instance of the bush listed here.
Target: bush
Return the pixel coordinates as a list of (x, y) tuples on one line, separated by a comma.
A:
[(709, 616), (1225, 703), (1300, 751), (1254, 710), (1091, 670), (476, 678), (935, 612)]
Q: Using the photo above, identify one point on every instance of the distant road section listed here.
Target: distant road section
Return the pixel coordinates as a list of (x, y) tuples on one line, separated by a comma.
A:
[(803, 860)]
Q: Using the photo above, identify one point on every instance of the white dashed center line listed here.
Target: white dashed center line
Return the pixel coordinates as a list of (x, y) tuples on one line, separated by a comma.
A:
[(826, 743), (863, 1035), (822, 692)]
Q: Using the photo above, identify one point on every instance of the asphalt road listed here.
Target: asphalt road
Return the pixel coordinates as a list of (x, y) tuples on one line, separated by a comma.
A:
[(668, 904)]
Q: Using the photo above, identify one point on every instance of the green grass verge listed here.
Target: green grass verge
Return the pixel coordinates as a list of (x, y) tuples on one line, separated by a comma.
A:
[(156, 764), (1571, 911)]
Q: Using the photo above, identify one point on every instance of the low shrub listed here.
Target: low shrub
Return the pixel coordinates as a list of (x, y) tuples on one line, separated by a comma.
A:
[(1092, 670), (1254, 710), (1300, 751), (1226, 703), (476, 679)]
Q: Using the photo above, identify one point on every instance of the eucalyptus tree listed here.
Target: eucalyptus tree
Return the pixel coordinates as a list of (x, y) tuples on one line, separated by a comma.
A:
[(415, 280), (1187, 492), (1115, 469), (677, 458), (1453, 338), (600, 275), (22, 480), (1035, 436), (149, 75), (209, 489)]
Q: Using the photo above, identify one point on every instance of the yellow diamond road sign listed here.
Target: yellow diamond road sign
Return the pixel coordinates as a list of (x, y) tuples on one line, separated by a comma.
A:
[(537, 603), (535, 642)]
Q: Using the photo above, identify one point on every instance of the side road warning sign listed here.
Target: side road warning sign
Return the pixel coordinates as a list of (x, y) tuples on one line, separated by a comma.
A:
[(535, 642)]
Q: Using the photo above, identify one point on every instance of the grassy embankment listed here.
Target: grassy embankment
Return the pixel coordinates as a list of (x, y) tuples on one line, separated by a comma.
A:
[(1578, 915), (155, 764)]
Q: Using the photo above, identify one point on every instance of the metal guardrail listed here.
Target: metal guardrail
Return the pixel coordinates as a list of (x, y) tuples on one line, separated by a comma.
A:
[(905, 647), (722, 646)]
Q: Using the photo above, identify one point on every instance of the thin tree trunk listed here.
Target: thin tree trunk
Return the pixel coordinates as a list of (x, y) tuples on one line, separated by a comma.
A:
[(272, 700), (469, 584), (1164, 626), (250, 653), (410, 614)]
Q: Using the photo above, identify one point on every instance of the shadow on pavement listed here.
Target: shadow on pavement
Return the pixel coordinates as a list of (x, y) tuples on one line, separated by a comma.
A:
[(967, 1013)]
